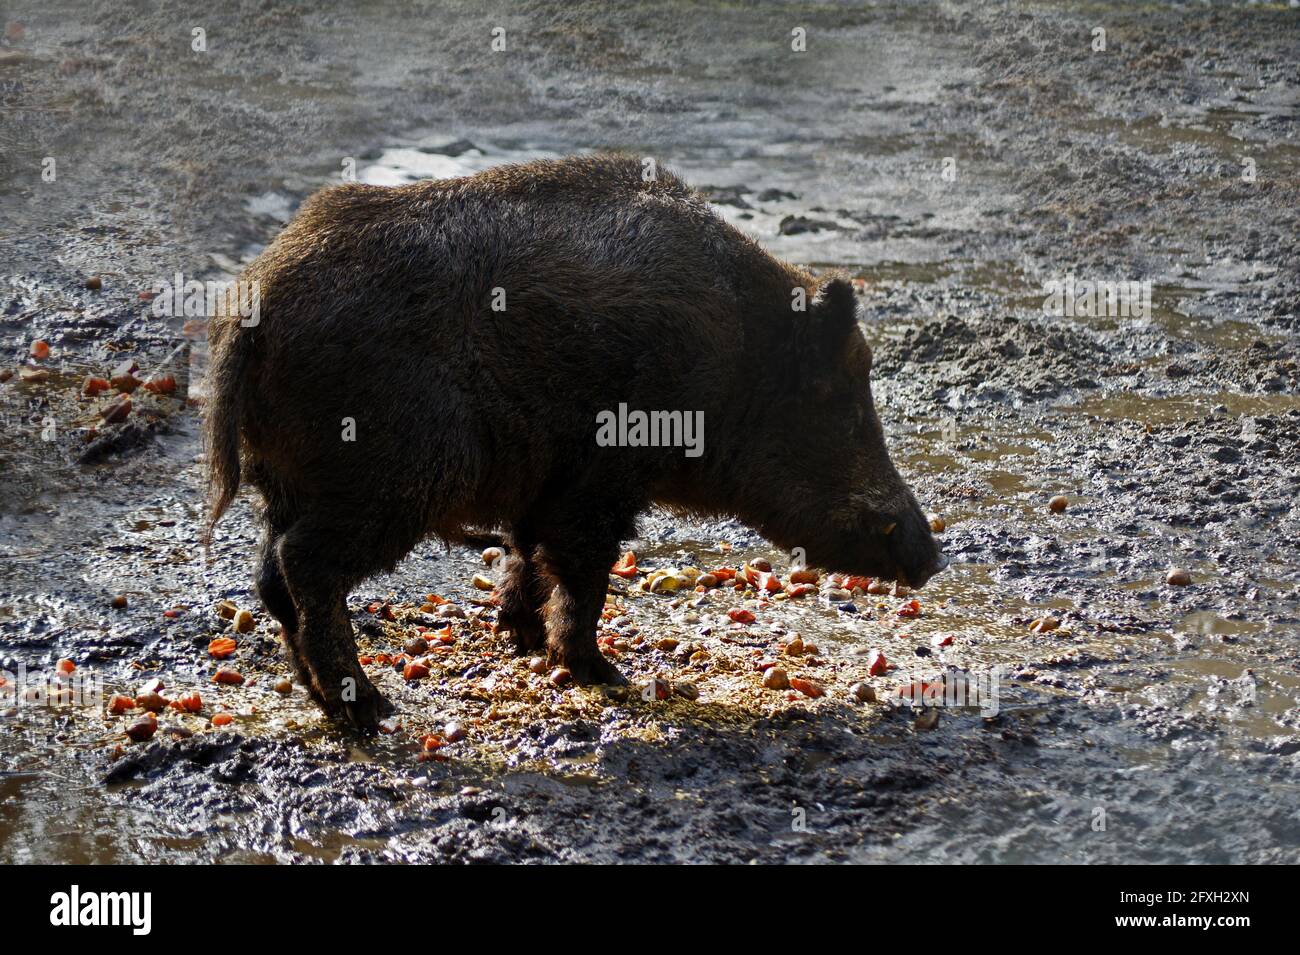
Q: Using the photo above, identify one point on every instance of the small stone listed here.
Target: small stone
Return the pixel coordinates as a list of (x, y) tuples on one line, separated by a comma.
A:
[(161, 385), (808, 688), (877, 665), (863, 692), (1178, 578), (153, 702), (927, 720), (126, 384), (667, 583), (1058, 504), (142, 730), (117, 409), (687, 691), (776, 678), (838, 595), (415, 670)]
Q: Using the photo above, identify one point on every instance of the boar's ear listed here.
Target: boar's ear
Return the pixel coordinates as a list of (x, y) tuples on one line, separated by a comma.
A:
[(831, 318)]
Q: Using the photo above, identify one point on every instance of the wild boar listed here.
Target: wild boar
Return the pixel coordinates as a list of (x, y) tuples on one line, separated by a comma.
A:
[(436, 357)]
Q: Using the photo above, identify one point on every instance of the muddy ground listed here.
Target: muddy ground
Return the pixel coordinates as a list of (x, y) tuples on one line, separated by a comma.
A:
[(1155, 724)]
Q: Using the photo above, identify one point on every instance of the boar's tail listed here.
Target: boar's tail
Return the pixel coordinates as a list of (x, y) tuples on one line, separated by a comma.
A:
[(231, 346)]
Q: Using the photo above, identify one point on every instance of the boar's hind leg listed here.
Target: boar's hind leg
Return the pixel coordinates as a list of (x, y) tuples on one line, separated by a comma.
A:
[(320, 565), (274, 593), (577, 554), (522, 595)]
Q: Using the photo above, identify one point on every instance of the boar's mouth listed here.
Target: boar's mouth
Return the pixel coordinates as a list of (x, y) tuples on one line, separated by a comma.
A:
[(918, 580), (912, 548)]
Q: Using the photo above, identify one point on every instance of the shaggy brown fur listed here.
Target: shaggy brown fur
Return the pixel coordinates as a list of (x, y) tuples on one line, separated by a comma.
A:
[(376, 305)]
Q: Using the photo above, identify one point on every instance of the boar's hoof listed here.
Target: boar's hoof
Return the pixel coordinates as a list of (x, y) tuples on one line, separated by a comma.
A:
[(526, 630), (362, 709), (590, 671)]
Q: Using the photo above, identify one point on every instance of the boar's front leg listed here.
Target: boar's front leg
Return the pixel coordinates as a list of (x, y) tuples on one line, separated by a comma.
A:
[(576, 551)]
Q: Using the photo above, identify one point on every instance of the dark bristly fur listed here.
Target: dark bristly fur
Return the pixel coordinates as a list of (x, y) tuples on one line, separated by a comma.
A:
[(376, 306)]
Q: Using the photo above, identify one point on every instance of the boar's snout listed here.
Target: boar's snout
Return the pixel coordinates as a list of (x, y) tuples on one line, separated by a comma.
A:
[(914, 550)]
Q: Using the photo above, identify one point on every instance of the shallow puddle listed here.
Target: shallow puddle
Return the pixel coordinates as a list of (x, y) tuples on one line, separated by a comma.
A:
[(1177, 410), (1223, 130)]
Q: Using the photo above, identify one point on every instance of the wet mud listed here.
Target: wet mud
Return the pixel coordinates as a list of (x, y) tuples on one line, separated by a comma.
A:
[(1152, 723)]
